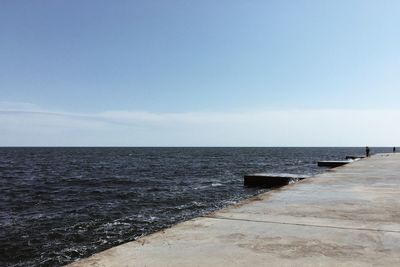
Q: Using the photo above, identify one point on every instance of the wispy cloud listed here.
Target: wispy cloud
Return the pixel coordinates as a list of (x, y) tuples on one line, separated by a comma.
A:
[(27, 124), (18, 106)]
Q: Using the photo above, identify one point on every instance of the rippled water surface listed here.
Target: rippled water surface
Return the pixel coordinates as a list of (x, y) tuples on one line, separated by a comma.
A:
[(61, 204)]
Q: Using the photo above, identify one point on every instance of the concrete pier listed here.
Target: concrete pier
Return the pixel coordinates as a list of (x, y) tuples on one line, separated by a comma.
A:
[(349, 216)]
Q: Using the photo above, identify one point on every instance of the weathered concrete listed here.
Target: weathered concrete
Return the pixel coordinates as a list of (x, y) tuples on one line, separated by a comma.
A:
[(349, 216), (270, 180)]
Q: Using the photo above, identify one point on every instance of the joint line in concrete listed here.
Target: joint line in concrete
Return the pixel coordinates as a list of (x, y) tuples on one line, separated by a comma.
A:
[(303, 224)]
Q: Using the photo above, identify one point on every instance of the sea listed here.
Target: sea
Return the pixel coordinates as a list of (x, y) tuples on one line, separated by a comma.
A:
[(61, 204)]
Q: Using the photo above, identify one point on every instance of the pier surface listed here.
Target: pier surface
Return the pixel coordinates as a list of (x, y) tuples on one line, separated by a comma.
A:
[(349, 216)]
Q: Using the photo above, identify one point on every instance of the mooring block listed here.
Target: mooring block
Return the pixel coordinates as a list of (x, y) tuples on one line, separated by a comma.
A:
[(271, 179)]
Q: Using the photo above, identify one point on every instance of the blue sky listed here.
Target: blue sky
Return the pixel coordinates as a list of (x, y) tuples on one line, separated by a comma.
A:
[(148, 70)]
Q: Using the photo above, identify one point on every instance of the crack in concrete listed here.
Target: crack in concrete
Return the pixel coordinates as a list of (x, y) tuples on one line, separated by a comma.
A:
[(304, 224)]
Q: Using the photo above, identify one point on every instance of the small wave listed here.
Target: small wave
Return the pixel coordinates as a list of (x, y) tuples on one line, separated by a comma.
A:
[(230, 202), (201, 187)]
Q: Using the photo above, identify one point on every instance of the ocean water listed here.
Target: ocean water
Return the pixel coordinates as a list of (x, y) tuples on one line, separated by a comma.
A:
[(61, 204)]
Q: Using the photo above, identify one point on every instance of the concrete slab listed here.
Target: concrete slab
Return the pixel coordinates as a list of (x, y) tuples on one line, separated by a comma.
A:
[(355, 157), (349, 216), (333, 163), (271, 180)]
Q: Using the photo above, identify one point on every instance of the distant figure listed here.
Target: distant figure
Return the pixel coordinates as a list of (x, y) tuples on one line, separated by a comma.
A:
[(394, 149), (367, 151)]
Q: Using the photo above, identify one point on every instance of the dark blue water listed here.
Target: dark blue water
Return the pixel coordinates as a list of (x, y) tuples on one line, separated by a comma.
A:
[(61, 204)]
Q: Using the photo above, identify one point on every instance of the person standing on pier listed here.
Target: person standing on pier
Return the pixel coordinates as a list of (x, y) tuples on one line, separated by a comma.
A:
[(394, 149), (367, 151)]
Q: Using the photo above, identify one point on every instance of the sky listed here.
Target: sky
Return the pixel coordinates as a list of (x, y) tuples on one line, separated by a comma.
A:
[(199, 73)]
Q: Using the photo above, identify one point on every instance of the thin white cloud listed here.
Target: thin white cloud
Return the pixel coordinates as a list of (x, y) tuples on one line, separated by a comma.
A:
[(30, 125), (18, 106)]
